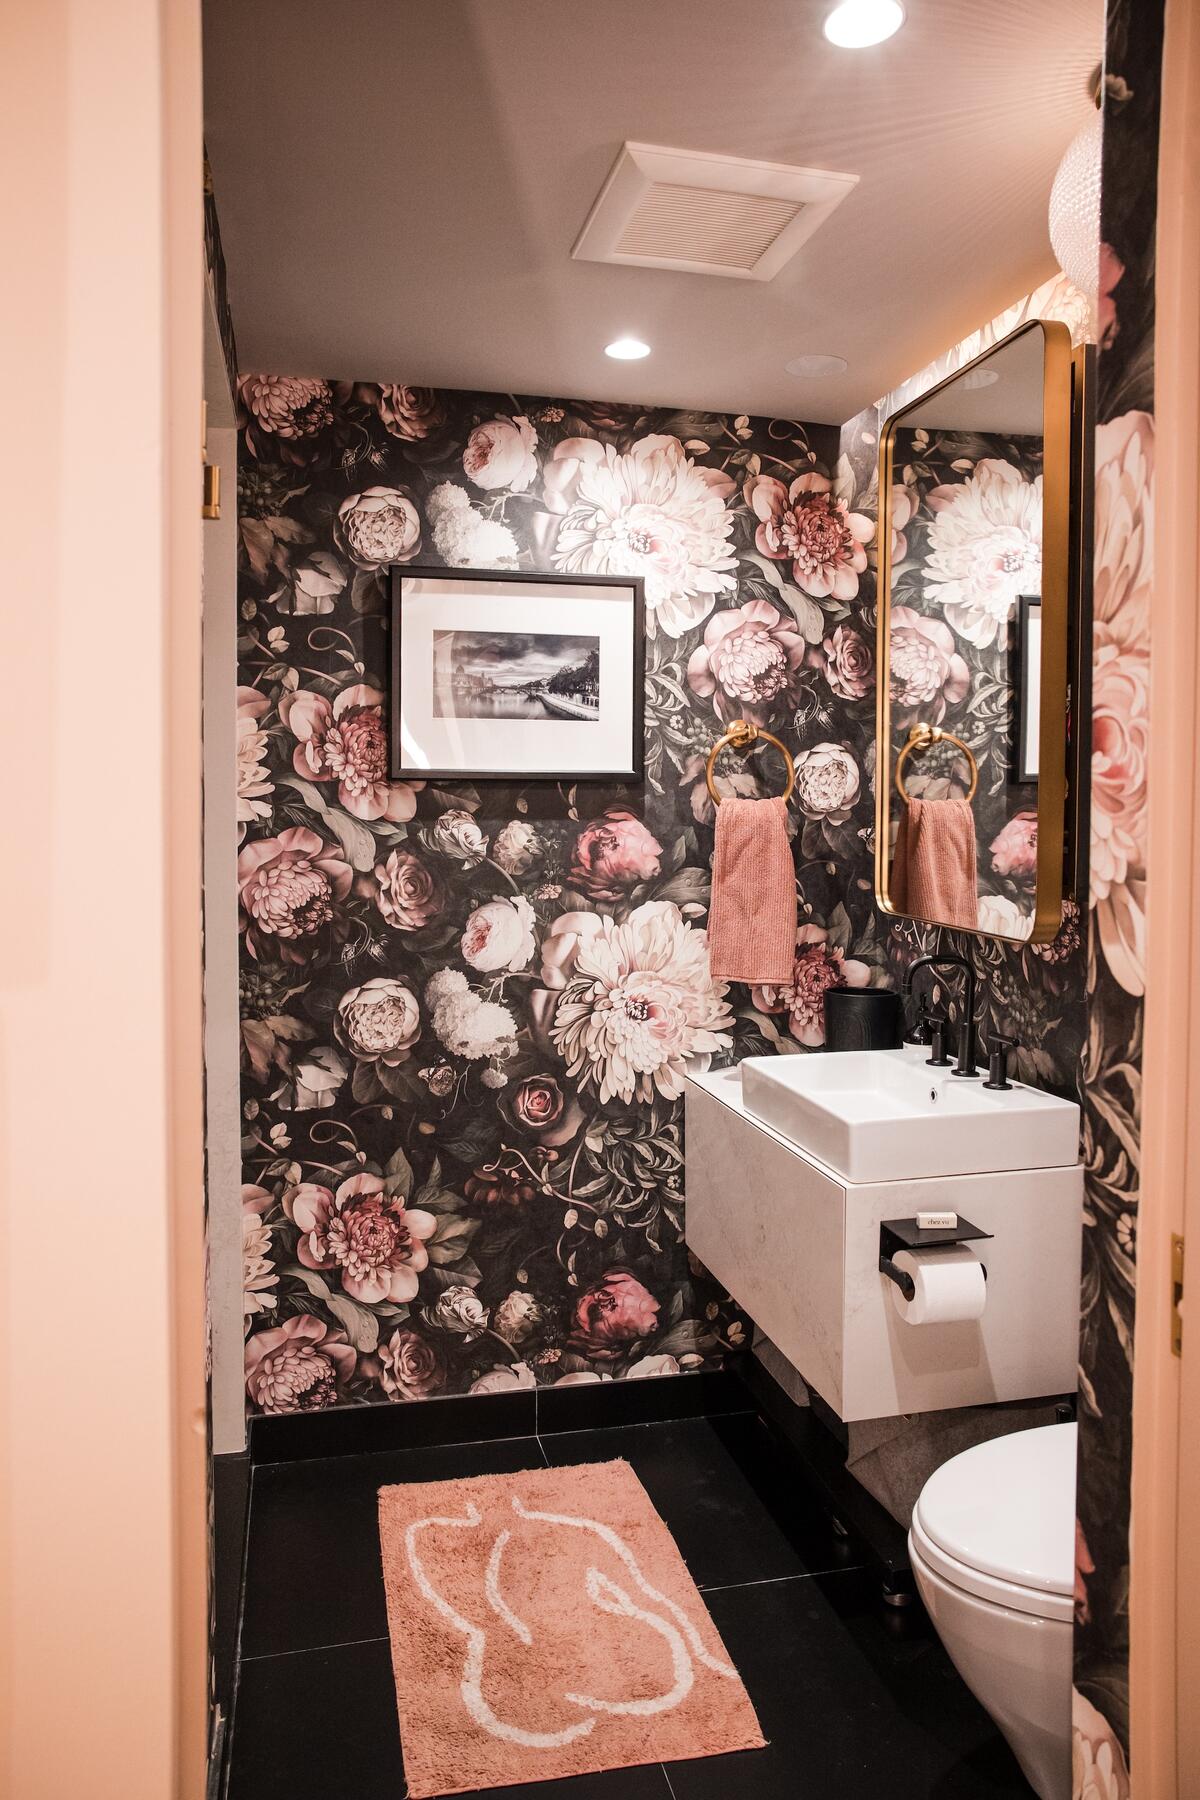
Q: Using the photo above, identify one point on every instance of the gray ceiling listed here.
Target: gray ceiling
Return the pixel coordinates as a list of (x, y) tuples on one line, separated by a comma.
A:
[(399, 184)]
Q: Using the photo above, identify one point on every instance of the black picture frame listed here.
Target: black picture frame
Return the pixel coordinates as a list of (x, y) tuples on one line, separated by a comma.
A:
[(1027, 712), (399, 573)]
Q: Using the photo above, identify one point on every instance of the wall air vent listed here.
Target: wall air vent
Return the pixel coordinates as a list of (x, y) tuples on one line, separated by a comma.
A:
[(706, 215)]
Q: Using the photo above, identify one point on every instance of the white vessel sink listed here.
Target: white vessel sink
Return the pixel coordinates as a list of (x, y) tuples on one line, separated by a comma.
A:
[(884, 1115)]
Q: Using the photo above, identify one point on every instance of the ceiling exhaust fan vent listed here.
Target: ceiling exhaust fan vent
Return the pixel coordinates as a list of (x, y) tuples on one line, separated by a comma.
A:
[(706, 215)]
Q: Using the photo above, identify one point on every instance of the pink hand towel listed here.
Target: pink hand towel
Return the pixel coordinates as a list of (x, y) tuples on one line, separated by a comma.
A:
[(752, 914), (933, 868)]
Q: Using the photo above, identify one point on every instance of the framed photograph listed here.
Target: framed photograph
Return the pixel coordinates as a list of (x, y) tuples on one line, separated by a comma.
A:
[(1027, 721), (503, 675)]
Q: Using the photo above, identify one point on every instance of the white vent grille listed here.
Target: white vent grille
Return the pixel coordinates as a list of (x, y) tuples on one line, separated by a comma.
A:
[(704, 225), (706, 215)]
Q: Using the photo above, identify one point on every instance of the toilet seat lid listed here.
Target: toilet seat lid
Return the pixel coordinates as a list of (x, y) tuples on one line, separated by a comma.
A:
[(1006, 1509)]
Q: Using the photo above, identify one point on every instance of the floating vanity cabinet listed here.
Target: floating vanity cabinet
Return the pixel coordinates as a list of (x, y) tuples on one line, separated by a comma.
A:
[(798, 1247)]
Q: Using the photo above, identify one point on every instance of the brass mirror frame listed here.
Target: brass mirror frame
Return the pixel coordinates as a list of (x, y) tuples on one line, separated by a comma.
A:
[(1058, 390)]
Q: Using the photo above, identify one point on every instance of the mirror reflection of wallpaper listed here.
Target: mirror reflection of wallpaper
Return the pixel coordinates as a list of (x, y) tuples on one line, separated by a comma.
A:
[(955, 651)]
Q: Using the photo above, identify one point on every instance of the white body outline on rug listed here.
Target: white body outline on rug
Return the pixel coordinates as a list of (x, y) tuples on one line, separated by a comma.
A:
[(602, 1592)]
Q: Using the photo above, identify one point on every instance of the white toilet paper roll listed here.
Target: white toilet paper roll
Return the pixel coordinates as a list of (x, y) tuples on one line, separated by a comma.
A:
[(950, 1285)]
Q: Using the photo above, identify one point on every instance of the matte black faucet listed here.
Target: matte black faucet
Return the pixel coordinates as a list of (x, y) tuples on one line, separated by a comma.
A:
[(966, 1028)]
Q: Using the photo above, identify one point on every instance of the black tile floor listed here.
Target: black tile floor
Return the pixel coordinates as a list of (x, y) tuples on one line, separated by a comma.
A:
[(854, 1698)]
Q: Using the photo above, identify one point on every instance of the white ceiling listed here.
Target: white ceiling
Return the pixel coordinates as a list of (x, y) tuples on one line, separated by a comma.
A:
[(399, 184)]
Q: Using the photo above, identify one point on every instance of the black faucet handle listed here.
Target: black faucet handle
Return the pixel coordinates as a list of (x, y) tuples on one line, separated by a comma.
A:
[(998, 1049), (938, 1026), (922, 1029)]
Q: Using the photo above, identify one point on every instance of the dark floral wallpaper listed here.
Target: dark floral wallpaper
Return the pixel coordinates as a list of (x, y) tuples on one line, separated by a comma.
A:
[(466, 1010), (966, 545)]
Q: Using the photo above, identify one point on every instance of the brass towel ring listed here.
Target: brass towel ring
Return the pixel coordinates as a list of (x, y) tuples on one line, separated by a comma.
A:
[(921, 737), (741, 735)]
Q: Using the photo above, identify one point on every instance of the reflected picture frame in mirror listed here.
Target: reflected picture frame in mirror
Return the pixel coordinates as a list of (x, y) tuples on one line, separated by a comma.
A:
[(1060, 856)]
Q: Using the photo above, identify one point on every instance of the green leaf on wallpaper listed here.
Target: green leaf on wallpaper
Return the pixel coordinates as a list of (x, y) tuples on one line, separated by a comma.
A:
[(355, 839), (771, 570), (808, 615), (686, 887), (452, 1238), (360, 1325), (398, 1175), (310, 795), (839, 928)]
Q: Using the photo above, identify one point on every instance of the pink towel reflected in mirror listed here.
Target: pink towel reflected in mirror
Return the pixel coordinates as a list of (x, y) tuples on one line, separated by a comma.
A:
[(933, 866)]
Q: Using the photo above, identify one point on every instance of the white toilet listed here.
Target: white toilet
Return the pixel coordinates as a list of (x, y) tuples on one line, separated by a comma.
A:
[(993, 1552)]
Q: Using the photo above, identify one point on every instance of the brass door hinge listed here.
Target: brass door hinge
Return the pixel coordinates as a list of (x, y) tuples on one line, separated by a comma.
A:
[(211, 508), (1176, 1294)]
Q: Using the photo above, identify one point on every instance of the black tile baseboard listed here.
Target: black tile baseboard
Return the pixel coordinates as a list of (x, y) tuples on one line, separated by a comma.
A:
[(479, 1418)]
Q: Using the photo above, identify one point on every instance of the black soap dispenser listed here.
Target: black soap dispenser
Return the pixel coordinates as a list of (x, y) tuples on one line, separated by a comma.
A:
[(862, 1019)]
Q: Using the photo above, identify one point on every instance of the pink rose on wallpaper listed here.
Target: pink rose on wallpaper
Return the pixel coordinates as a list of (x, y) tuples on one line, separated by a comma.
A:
[(379, 1021), (381, 525), (500, 454), (1122, 575), (1014, 849), (805, 524), (347, 743), (410, 412), (302, 1365), (611, 1314), (371, 1238), (291, 888), (926, 672), (409, 893), (613, 854), (749, 662), (819, 966), (410, 1367), (539, 1106), (287, 406), (1111, 271), (848, 663)]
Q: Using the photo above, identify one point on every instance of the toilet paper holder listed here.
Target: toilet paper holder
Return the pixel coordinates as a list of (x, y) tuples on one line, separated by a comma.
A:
[(906, 1234)]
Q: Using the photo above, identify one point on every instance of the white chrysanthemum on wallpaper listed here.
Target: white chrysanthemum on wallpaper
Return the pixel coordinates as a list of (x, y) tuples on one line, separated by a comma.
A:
[(640, 1003), (985, 548), (648, 511)]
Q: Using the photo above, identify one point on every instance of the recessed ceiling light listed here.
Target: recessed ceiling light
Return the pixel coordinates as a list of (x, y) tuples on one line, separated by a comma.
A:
[(627, 349), (979, 378), (814, 365), (856, 24)]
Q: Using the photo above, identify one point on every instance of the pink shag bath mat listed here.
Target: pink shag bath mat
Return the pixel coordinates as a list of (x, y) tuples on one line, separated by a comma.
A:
[(542, 1625)]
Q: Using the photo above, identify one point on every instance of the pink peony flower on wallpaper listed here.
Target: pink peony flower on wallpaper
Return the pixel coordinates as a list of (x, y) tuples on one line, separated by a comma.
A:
[(1014, 849), (499, 935), (827, 782), (639, 1004), (371, 1238), (613, 854), (302, 1365), (1123, 572), (1098, 1767), (1000, 916), (985, 548), (613, 1313), (379, 1021), (749, 662), (806, 525), (456, 835), (1111, 271), (347, 743), (379, 526), (926, 672), (517, 847), (287, 406), (500, 454), (904, 510), (410, 1366), (819, 966), (259, 1276), (410, 412), (650, 511), (291, 888), (848, 663), (254, 785), (408, 893)]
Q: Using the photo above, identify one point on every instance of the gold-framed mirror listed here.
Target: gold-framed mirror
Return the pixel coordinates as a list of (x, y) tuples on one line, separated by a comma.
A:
[(978, 573)]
